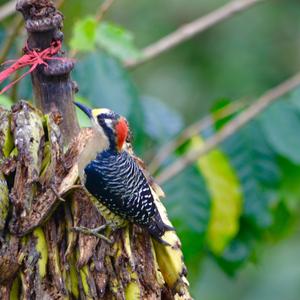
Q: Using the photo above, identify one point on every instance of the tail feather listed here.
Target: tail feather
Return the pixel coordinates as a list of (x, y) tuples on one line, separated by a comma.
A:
[(168, 227), (159, 239), (157, 229)]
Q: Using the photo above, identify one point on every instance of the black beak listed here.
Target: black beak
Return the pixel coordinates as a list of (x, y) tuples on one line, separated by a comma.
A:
[(84, 108)]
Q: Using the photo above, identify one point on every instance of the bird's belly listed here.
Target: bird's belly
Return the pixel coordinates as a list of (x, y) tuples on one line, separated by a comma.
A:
[(117, 183), (99, 186), (108, 215)]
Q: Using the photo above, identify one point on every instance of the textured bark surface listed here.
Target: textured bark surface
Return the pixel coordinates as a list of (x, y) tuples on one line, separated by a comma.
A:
[(52, 85), (41, 256)]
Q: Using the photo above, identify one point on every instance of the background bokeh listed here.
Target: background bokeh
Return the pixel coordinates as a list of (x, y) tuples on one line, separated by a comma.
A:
[(236, 60)]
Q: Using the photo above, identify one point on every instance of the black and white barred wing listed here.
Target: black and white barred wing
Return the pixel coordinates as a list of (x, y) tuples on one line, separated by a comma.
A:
[(117, 181)]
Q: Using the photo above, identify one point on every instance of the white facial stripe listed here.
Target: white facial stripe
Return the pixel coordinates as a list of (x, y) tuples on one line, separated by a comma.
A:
[(99, 130), (100, 111), (109, 123)]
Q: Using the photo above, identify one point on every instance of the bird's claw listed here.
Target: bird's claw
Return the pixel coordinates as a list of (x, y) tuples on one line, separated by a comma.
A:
[(94, 232)]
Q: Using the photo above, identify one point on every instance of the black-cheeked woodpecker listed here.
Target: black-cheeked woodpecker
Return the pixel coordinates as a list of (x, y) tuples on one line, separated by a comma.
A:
[(114, 178)]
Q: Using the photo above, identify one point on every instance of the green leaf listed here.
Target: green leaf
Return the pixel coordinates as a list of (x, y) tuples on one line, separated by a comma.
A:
[(294, 98), (161, 121), (104, 82), (289, 185), (226, 197), (281, 123), (4, 201), (284, 221), (117, 41), (218, 109), (188, 203), (5, 102), (256, 167), (84, 35), (77, 10), (238, 252)]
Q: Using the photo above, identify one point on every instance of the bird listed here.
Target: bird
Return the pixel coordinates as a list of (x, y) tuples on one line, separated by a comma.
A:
[(112, 176)]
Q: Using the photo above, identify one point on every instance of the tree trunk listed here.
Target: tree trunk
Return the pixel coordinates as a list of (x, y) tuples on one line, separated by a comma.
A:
[(41, 257), (53, 89)]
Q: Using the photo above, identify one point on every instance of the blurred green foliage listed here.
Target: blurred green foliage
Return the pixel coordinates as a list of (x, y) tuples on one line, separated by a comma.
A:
[(5, 102), (235, 202)]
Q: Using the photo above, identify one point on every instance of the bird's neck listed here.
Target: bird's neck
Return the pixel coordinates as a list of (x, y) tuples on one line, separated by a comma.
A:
[(112, 143)]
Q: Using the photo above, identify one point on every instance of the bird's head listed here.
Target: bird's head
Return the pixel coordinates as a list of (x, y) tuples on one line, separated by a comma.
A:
[(109, 124)]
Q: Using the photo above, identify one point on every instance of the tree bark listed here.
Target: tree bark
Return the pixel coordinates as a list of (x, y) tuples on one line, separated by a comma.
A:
[(41, 257)]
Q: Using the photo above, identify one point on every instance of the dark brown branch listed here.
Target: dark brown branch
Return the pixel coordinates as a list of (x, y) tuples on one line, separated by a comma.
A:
[(52, 85)]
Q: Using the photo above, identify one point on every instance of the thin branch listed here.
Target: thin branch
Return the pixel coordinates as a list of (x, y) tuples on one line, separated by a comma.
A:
[(230, 128), (7, 9), (190, 30), (191, 131), (103, 9)]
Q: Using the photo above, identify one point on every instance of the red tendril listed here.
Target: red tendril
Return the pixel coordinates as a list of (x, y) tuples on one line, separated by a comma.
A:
[(31, 58)]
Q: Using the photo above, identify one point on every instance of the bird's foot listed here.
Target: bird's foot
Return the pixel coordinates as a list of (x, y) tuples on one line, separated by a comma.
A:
[(94, 231)]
